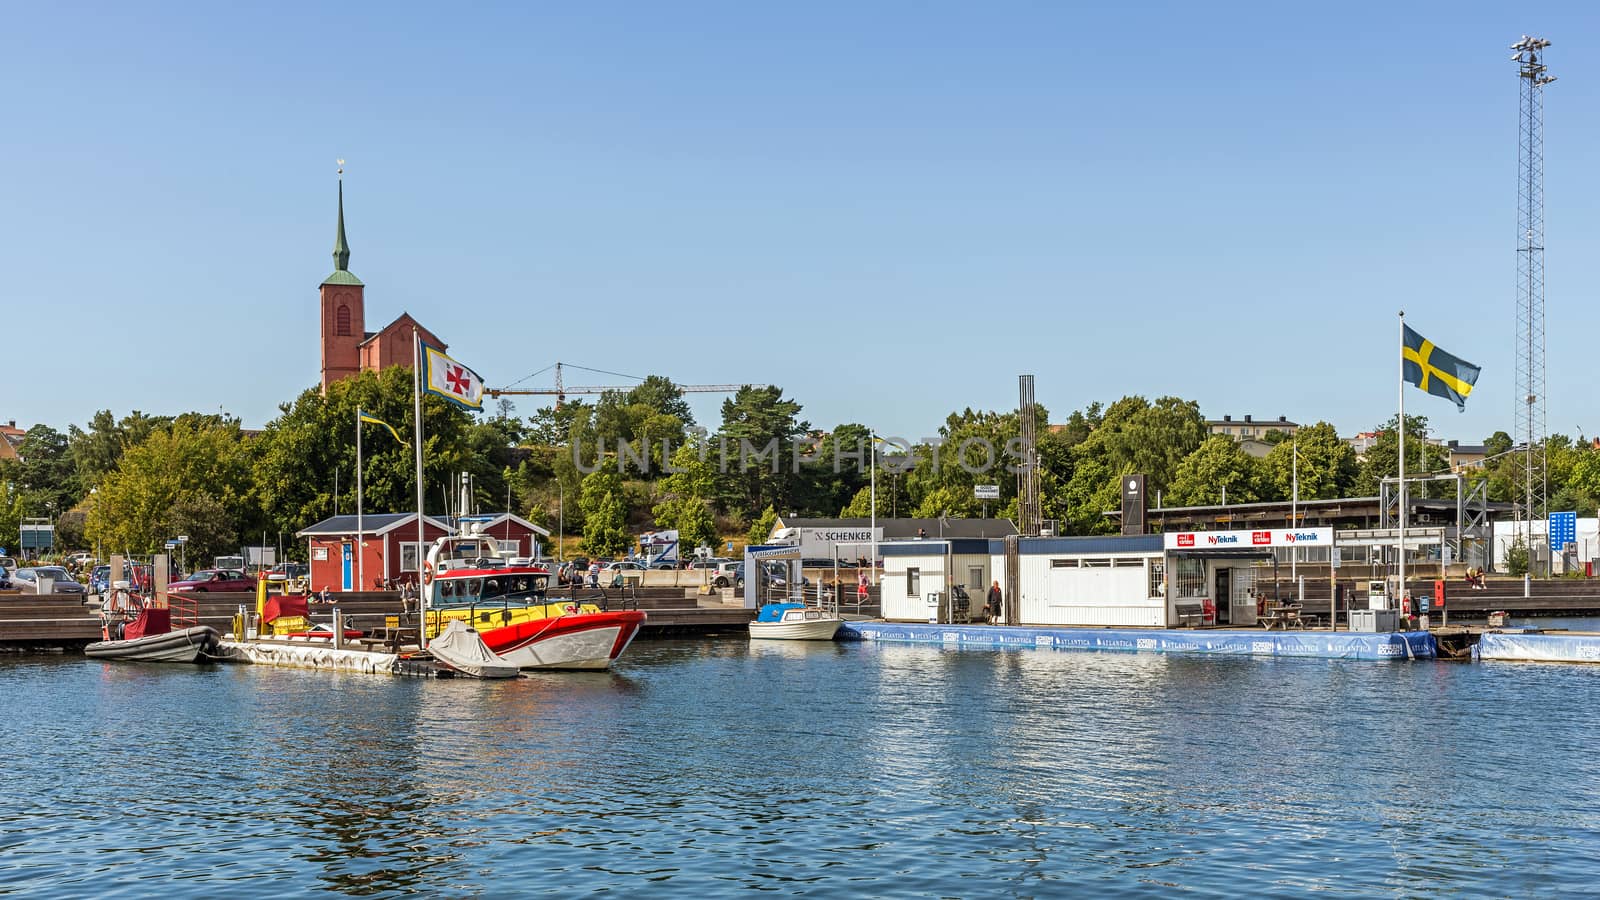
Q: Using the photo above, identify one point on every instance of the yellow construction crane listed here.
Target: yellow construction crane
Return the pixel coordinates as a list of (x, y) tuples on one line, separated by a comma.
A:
[(561, 389)]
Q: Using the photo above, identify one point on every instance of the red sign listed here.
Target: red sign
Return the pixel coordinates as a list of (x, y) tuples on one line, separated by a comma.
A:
[(1261, 537), (1185, 540)]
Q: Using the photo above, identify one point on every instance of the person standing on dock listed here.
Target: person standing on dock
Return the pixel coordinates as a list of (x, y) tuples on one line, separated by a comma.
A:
[(994, 603), (861, 589)]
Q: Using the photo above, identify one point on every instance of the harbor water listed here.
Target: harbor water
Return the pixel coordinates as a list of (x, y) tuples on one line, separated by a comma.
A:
[(708, 767)]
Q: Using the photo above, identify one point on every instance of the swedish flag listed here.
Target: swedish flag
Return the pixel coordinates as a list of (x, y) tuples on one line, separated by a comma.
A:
[(1436, 371)]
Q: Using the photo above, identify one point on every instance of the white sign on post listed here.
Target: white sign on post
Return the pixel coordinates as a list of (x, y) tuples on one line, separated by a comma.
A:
[(1338, 557), (986, 491)]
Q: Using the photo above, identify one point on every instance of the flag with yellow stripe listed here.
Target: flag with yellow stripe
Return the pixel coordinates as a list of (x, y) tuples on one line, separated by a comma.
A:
[(374, 420), (1435, 371)]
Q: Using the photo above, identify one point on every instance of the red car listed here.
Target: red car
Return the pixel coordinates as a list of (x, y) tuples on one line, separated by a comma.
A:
[(215, 580)]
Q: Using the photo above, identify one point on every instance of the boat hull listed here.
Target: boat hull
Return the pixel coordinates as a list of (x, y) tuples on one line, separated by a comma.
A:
[(584, 641), (807, 630), (189, 645)]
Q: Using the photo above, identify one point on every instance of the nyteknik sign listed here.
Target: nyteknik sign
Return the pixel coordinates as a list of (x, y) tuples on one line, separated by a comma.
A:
[(1248, 539)]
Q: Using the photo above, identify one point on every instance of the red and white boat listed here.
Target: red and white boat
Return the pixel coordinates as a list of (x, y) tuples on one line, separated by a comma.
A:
[(506, 601)]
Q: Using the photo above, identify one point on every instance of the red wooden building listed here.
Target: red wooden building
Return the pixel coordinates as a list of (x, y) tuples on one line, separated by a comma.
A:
[(389, 550), (514, 535)]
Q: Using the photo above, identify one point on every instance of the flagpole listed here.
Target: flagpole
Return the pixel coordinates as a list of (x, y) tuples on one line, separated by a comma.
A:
[(1294, 506), (361, 571), (872, 448), (1402, 424), (422, 547)]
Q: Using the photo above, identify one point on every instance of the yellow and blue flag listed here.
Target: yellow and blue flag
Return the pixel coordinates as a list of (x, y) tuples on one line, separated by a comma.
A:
[(364, 417), (1435, 371), (449, 379)]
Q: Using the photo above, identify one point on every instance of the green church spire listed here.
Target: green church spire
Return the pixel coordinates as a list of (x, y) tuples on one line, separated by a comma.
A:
[(341, 247)]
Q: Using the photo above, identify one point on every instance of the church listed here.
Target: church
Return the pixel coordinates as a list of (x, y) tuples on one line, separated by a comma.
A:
[(347, 347)]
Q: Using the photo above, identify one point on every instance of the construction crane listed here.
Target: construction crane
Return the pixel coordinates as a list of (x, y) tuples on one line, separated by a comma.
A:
[(562, 389)]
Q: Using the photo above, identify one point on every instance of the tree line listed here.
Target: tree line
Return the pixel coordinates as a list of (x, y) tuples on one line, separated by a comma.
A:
[(637, 460)]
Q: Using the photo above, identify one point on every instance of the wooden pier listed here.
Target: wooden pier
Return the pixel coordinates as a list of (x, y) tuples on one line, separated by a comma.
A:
[(29, 622)]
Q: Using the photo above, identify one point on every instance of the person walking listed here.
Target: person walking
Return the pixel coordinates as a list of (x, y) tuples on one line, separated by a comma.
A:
[(861, 589), (994, 604)]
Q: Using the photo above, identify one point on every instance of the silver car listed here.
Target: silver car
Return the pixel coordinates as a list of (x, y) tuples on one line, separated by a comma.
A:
[(27, 580)]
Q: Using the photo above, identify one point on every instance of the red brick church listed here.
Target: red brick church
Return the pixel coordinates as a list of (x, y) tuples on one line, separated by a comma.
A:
[(347, 347)]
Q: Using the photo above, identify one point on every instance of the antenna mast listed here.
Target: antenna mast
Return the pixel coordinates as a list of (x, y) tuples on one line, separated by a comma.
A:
[(1530, 415)]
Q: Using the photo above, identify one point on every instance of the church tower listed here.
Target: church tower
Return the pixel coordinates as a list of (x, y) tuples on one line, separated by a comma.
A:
[(343, 310)]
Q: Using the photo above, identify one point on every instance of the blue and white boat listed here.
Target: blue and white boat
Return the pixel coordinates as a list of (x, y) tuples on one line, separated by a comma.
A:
[(794, 622)]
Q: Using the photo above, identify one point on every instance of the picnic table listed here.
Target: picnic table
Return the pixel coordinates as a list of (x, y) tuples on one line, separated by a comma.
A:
[(1280, 615)]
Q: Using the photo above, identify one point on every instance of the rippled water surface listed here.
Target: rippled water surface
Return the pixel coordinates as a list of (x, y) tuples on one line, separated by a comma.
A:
[(712, 766)]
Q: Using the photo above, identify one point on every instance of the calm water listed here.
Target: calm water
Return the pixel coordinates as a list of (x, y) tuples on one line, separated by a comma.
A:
[(709, 767)]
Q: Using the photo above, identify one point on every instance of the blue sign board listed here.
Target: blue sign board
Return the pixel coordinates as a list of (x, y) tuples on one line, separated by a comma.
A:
[(1563, 530)]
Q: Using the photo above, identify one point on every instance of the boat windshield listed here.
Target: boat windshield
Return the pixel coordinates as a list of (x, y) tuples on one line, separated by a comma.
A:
[(509, 588)]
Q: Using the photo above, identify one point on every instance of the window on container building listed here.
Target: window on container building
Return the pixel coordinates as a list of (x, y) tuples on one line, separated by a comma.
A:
[(1158, 577), (913, 582)]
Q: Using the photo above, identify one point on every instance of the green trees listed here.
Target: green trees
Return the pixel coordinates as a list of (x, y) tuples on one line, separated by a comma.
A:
[(305, 461), (759, 432), (685, 497), (1327, 465), (189, 478), (1382, 459), (605, 530), (1217, 472)]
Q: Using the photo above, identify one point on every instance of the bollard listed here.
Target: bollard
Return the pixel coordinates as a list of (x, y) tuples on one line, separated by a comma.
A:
[(338, 629), (1527, 585)]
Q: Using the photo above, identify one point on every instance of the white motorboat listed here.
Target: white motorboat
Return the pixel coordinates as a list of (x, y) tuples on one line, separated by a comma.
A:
[(794, 622)]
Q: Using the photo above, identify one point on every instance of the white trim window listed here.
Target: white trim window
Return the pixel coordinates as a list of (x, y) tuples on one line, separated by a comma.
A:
[(410, 556)]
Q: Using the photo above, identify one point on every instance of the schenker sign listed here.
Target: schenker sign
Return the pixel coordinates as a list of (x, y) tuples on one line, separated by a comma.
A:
[(819, 543), (1248, 539)]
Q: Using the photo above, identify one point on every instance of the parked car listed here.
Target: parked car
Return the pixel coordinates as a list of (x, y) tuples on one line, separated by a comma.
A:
[(136, 574), (207, 580), (623, 565), (27, 579), (289, 571), (80, 559), (728, 574)]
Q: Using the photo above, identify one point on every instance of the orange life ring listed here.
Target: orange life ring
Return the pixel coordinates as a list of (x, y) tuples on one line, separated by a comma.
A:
[(427, 573)]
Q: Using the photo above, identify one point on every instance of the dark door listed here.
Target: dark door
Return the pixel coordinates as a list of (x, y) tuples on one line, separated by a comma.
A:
[(1224, 595)]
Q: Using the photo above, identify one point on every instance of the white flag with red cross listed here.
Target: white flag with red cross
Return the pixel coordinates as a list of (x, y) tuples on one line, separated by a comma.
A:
[(450, 379)]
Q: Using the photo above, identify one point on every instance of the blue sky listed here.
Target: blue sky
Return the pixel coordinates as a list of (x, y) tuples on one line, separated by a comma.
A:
[(889, 209)]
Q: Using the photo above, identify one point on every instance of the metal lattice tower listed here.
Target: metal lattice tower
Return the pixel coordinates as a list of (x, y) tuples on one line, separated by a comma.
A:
[(1530, 414)]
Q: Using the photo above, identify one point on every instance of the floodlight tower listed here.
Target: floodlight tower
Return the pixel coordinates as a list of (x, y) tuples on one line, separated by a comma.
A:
[(1529, 424)]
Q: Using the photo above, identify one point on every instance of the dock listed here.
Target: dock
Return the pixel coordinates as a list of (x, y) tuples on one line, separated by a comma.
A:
[(1393, 646)]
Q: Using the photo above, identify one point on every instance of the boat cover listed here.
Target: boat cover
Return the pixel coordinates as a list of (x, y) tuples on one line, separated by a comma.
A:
[(151, 621), (773, 612), (462, 649), (281, 606), (1539, 647)]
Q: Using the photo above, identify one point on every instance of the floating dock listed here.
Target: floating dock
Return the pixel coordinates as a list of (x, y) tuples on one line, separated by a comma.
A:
[(1400, 645), (322, 656), (1535, 646)]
